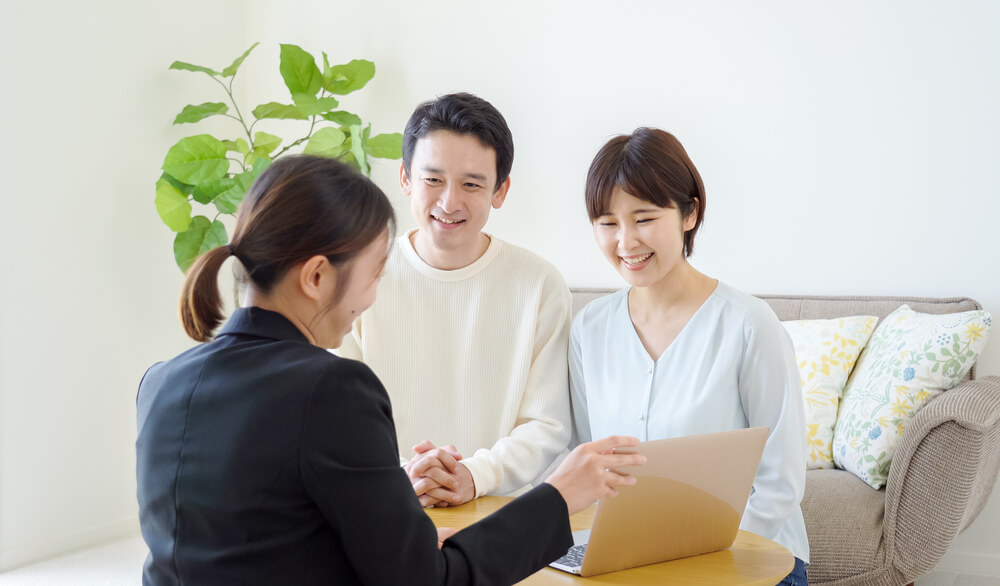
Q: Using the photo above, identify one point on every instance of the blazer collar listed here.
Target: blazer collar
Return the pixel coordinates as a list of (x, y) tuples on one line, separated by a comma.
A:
[(262, 323)]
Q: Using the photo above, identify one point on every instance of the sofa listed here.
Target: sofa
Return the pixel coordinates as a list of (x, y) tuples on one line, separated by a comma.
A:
[(939, 480)]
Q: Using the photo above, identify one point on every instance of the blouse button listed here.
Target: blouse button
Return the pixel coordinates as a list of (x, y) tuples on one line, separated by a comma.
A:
[(641, 417), (649, 370)]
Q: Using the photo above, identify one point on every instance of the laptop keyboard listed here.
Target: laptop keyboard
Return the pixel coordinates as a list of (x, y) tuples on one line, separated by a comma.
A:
[(573, 557)]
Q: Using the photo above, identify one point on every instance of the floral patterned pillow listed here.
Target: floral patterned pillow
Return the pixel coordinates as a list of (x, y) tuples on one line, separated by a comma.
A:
[(826, 350), (912, 358)]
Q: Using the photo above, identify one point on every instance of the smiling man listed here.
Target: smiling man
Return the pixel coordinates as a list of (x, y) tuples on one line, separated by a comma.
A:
[(469, 333)]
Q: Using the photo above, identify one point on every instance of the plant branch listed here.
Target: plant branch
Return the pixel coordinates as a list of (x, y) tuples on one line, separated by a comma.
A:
[(239, 115)]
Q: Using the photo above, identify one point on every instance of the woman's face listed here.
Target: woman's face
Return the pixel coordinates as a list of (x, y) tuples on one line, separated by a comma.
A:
[(644, 242), (359, 293)]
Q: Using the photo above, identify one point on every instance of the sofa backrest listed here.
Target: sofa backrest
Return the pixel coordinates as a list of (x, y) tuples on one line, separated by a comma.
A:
[(793, 307)]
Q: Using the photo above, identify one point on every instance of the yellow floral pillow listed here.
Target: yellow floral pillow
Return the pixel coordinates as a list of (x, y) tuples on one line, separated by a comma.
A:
[(826, 350)]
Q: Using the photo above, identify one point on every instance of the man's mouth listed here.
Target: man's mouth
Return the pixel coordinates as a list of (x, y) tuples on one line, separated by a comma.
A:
[(446, 220)]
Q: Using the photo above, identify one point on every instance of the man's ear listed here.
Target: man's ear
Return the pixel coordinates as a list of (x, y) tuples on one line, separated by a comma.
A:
[(404, 180), (500, 195), (317, 278)]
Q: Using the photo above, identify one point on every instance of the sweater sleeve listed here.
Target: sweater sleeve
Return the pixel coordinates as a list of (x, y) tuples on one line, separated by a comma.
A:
[(770, 389), (350, 470), (543, 418)]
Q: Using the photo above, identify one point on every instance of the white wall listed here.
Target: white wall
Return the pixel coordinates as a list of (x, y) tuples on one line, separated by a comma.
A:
[(847, 148), (88, 291)]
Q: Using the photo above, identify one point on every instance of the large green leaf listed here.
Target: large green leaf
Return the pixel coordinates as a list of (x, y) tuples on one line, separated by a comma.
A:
[(265, 143), (227, 201), (350, 77), (358, 149), (326, 142), (312, 106), (208, 191), (345, 119), (280, 111), (197, 159), (232, 69), (182, 66), (173, 206), (298, 69), (178, 185), (200, 112), (385, 146), (200, 237)]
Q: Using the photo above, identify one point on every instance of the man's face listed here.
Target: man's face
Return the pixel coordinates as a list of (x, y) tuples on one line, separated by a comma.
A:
[(451, 186)]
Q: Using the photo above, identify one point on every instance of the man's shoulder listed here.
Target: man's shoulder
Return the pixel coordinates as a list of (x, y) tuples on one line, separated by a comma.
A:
[(521, 262)]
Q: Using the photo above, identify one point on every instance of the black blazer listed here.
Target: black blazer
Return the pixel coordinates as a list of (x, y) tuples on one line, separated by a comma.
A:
[(262, 459)]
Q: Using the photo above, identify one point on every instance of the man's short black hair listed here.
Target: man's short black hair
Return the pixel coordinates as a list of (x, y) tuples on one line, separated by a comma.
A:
[(462, 113)]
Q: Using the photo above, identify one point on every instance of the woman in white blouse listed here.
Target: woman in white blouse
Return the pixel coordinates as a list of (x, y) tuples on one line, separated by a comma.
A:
[(677, 352)]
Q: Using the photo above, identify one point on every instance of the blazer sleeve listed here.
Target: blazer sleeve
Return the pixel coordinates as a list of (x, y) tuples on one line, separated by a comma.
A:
[(350, 468)]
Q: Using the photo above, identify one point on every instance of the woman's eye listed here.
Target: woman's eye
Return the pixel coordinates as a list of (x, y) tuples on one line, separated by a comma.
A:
[(609, 224), (644, 220)]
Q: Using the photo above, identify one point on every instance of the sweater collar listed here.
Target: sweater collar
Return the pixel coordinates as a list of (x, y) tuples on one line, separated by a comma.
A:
[(404, 246)]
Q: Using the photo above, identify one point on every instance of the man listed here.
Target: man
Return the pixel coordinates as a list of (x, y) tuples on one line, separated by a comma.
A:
[(469, 333)]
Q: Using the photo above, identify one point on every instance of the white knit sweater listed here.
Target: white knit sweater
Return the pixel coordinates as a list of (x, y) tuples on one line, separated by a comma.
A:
[(474, 357)]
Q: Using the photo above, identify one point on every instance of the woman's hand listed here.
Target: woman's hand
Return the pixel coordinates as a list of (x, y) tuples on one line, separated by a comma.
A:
[(586, 474)]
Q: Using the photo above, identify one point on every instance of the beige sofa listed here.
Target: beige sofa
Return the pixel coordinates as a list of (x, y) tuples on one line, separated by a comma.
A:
[(940, 479)]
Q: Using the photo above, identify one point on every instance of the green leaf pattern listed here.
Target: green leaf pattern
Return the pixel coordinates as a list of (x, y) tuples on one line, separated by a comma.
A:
[(911, 359)]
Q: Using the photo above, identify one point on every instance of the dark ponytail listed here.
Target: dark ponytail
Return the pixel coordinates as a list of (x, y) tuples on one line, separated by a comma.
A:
[(201, 305), (299, 207)]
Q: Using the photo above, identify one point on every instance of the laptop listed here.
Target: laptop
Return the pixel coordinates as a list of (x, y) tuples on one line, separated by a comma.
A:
[(688, 501)]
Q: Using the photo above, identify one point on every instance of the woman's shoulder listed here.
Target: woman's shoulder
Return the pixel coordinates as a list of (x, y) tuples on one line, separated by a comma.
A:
[(599, 311), (754, 308), (753, 312)]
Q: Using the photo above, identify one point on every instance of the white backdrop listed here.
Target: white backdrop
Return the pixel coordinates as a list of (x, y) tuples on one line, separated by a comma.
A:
[(846, 148)]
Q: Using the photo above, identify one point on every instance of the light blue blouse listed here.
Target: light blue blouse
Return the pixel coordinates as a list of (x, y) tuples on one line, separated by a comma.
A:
[(732, 366)]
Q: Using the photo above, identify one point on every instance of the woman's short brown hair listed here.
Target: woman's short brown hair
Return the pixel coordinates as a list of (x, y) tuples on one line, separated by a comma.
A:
[(650, 164)]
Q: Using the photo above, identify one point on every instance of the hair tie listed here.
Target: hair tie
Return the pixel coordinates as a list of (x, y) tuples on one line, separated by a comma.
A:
[(232, 251)]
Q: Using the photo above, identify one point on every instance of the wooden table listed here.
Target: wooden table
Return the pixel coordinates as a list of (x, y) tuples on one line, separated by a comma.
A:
[(752, 559)]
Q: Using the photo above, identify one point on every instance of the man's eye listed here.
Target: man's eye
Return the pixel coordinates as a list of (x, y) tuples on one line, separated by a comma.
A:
[(607, 223), (472, 185), (432, 180)]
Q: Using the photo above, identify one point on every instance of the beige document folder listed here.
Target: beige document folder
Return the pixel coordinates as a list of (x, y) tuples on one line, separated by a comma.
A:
[(688, 500)]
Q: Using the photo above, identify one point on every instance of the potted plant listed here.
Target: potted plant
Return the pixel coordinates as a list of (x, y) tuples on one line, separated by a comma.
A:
[(213, 174)]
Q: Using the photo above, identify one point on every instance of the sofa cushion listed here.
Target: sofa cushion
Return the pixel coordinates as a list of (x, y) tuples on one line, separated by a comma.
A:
[(911, 358), (825, 350), (844, 523)]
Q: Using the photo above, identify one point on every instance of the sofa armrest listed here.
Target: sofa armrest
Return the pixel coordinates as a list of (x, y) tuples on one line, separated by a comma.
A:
[(942, 474)]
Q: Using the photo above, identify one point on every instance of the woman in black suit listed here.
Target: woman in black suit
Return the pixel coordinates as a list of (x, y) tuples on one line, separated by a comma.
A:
[(264, 459)]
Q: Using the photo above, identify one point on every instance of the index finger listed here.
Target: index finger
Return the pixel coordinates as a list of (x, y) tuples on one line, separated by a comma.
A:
[(614, 441)]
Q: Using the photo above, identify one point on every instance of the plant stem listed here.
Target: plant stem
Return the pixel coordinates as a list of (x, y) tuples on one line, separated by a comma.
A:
[(312, 125), (239, 115)]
